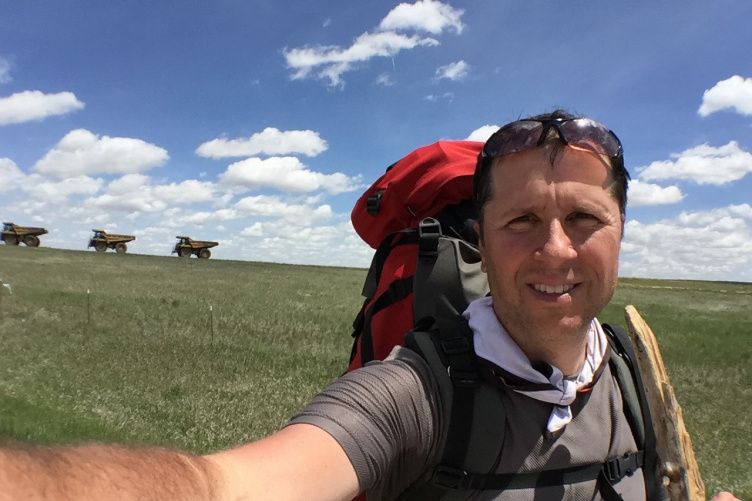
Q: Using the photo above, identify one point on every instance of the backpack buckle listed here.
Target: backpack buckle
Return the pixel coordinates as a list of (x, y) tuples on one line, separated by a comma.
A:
[(455, 345), (624, 466), (463, 378), (428, 226), (429, 231), (373, 203), (449, 478)]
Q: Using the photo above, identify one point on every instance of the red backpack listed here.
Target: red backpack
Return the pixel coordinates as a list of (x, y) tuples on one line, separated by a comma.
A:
[(419, 217)]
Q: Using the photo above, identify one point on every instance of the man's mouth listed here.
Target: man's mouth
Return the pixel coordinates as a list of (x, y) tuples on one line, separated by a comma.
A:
[(553, 289)]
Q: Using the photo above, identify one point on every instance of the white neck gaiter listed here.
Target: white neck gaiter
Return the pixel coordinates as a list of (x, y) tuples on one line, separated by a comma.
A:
[(493, 343)]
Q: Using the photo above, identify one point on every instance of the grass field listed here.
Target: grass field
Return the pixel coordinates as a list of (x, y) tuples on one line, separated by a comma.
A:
[(203, 355)]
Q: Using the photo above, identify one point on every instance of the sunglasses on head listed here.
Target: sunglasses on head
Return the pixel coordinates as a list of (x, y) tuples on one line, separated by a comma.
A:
[(524, 135)]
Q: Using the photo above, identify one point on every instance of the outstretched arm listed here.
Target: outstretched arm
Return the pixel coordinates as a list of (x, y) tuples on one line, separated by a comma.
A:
[(299, 462), (33, 473)]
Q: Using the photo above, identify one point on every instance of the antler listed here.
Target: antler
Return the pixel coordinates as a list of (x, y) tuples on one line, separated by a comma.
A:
[(681, 476)]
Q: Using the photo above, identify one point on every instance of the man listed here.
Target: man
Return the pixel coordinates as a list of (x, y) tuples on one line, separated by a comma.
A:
[(551, 194)]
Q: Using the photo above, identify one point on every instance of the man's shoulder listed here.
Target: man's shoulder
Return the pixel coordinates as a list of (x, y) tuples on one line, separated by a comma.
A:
[(402, 361)]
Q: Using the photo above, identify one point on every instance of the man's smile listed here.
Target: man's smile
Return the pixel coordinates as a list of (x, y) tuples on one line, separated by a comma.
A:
[(553, 289)]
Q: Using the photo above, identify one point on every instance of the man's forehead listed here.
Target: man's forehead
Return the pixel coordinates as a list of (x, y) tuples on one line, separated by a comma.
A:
[(576, 175), (557, 163)]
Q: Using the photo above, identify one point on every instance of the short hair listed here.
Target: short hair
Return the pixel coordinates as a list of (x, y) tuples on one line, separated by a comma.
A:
[(483, 188)]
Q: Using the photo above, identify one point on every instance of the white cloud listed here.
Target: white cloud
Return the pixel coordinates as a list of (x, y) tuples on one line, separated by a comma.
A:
[(129, 194), (384, 79), (128, 184), (59, 191), (222, 200), (201, 218), (10, 175), (150, 231), (703, 164), (734, 93), (331, 62), (270, 141), (482, 133), (257, 230), (334, 245), (435, 97), (425, 15), (81, 152), (704, 245), (264, 205), (641, 194), (189, 191), (744, 211), (296, 215), (35, 105), (136, 193), (4, 71), (453, 71), (719, 218), (284, 173)]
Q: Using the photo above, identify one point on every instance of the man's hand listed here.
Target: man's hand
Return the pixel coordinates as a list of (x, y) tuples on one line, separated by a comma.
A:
[(725, 496)]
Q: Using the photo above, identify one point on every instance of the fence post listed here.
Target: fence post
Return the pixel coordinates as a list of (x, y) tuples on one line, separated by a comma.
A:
[(211, 345), (211, 323), (3, 285)]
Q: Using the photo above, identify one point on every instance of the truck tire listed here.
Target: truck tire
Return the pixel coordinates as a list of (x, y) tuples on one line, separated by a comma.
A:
[(184, 252), (100, 246), (204, 253), (31, 241), (11, 240), (120, 247)]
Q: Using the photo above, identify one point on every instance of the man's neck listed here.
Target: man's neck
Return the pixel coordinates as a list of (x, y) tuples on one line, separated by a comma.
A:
[(566, 356)]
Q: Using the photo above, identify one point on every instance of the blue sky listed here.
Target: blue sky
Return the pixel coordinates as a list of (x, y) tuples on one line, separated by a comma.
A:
[(258, 124)]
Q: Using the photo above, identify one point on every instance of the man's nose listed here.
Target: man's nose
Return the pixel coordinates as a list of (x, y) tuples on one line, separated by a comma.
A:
[(556, 246)]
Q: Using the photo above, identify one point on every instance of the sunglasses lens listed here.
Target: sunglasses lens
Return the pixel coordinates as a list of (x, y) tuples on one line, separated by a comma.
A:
[(513, 138), (591, 135)]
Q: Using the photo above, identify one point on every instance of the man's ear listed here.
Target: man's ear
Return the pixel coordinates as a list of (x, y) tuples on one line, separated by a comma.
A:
[(481, 247)]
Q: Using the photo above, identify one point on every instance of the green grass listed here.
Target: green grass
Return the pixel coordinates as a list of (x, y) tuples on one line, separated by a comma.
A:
[(203, 355)]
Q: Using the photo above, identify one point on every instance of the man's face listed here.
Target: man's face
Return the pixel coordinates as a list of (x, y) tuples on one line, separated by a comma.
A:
[(550, 242)]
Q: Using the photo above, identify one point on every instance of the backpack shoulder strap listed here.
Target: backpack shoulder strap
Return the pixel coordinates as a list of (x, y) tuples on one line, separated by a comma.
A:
[(470, 409), (447, 347), (636, 407)]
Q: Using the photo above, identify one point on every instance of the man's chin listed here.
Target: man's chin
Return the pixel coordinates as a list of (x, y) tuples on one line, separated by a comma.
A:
[(566, 326)]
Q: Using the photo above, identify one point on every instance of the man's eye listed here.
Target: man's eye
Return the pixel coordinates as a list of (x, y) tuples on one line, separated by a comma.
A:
[(521, 221), (584, 217)]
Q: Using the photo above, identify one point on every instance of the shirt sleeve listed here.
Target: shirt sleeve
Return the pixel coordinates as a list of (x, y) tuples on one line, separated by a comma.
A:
[(385, 417)]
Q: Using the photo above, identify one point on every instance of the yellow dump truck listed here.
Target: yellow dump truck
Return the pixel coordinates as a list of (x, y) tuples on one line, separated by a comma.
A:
[(186, 247), (101, 241), (14, 234)]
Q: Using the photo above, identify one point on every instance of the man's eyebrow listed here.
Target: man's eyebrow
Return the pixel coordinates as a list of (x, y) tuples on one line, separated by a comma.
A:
[(589, 205), (517, 210)]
